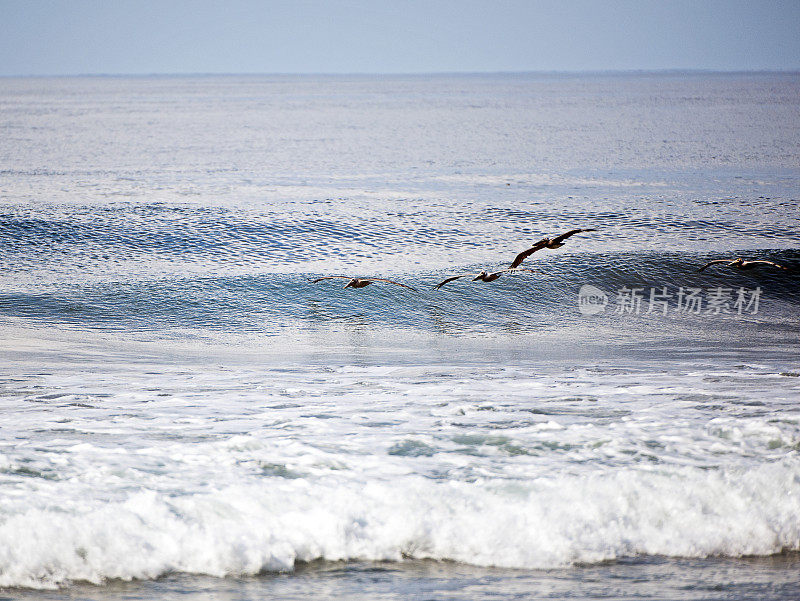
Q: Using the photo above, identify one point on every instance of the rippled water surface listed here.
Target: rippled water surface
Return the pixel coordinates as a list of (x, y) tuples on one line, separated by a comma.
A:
[(186, 415)]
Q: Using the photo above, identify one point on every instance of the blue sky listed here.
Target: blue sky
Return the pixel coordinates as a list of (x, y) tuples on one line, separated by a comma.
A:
[(59, 37)]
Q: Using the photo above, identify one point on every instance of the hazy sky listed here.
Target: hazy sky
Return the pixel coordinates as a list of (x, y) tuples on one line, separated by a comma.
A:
[(41, 37)]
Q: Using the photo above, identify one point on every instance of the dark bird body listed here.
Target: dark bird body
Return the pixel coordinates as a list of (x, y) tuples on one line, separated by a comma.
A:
[(740, 263), (360, 282), (551, 243), (483, 276)]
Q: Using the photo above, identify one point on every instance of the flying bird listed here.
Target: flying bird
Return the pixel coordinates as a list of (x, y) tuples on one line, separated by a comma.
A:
[(552, 243), (740, 263), (483, 276), (359, 282)]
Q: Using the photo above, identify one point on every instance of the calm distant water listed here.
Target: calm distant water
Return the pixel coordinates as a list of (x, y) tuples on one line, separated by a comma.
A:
[(185, 415)]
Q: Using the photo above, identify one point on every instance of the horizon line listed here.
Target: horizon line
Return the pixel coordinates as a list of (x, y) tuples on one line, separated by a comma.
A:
[(665, 71)]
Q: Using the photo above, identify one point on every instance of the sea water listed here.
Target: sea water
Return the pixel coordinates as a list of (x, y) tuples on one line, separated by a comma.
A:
[(186, 415)]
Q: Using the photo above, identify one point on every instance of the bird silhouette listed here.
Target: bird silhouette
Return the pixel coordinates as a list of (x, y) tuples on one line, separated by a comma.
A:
[(551, 243)]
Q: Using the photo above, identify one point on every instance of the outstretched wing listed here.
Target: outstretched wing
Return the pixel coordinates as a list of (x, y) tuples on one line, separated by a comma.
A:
[(330, 277), (527, 253), (389, 281), (451, 278), (516, 269), (715, 262), (770, 263), (562, 237)]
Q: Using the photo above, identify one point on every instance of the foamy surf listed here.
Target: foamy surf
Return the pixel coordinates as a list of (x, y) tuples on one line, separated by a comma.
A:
[(231, 472), (269, 526)]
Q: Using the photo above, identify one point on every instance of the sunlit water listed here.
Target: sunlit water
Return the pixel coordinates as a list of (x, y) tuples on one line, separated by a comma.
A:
[(185, 415)]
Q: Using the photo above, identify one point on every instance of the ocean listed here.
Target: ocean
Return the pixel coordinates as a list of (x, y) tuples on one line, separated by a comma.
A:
[(187, 415)]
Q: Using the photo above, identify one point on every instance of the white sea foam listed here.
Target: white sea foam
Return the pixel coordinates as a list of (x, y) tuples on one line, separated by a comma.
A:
[(236, 469), (268, 526)]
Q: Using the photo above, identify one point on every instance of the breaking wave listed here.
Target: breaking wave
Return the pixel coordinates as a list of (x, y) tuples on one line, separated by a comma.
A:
[(550, 522)]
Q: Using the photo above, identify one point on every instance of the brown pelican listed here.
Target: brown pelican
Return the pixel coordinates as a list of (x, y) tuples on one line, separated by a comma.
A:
[(740, 263), (483, 276), (360, 282), (553, 243)]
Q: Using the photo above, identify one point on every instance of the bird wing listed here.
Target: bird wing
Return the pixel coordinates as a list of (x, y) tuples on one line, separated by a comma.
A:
[(451, 278), (330, 277), (715, 262), (769, 263), (527, 253), (563, 237), (390, 281), (516, 269)]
